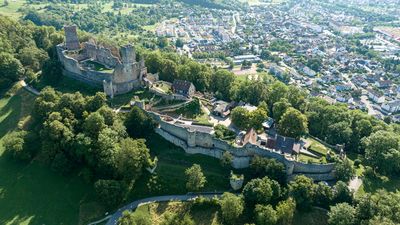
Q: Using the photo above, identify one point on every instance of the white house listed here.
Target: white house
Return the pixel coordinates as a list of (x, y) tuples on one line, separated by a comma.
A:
[(376, 96), (391, 106)]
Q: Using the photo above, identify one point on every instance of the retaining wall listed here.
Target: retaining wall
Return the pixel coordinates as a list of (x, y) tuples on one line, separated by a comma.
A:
[(194, 142)]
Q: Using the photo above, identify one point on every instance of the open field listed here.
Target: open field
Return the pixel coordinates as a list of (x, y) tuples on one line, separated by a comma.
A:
[(12, 9)]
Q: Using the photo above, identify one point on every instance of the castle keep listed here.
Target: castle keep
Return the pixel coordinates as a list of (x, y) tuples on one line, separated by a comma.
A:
[(89, 62)]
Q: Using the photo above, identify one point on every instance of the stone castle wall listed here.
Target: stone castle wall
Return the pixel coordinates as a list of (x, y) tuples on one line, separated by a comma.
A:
[(194, 142), (73, 69), (100, 54)]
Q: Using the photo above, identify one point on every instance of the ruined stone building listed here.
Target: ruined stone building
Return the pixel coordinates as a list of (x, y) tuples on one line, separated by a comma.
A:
[(96, 65)]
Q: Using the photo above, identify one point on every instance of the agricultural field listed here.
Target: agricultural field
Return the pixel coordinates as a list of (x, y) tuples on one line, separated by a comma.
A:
[(13, 7)]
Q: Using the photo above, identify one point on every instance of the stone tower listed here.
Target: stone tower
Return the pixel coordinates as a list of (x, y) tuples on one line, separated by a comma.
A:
[(71, 38), (128, 54)]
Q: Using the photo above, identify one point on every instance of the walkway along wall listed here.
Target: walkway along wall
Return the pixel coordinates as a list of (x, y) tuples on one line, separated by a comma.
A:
[(195, 142)]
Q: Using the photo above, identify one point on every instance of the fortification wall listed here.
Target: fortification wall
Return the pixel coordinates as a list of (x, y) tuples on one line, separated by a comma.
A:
[(207, 144), (300, 167), (121, 88), (74, 70), (100, 54)]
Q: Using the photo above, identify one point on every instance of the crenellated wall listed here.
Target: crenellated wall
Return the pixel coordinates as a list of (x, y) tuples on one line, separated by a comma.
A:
[(195, 142)]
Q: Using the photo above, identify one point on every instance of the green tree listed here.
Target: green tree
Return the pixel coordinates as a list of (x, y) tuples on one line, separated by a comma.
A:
[(169, 70), (179, 43), (269, 167), (195, 178), (14, 144), (131, 158), (382, 152), (10, 67), (154, 62), (285, 211), (323, 195), (232, 207), (302, 190), (277, 91), (32, 57), (257, 117), (265, 215), (45, 103), (342, 193), (222, 80), (342, 214), (138, 123), (226, 159), (344, 170), (293, 124), (134, 218), (280, 108), (93, 124), (51, 71), (241, 118), (261, 191), (96, 102)]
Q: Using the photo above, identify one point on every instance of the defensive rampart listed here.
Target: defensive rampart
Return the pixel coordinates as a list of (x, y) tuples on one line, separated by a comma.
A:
[(195, 141), (73, 69)]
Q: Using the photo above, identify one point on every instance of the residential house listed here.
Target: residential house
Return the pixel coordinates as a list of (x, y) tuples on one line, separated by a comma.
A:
[(282, 144), (391, 106), (183, 87), (376, 96), (222, 108)]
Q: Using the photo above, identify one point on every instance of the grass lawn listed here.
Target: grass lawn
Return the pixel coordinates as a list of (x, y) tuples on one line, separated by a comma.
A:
[(69, 85), (100, 67), (163, 86), (305, 158), (210, 216), (157, 212), (31, 193), (317, 147), (13, 6), (170, 173)]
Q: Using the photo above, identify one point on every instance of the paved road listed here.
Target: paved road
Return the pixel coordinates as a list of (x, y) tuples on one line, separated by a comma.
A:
[(133, 205), (29, 88)]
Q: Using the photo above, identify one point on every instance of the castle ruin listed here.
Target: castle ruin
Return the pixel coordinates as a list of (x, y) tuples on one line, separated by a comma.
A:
[(98, 66)]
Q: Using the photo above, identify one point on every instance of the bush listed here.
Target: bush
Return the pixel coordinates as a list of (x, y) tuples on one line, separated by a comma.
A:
[(357, 163), (16, 146), (202, 203), (223, 133)]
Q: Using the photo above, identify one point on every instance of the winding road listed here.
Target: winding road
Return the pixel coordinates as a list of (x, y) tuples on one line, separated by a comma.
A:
[(113, 219)]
